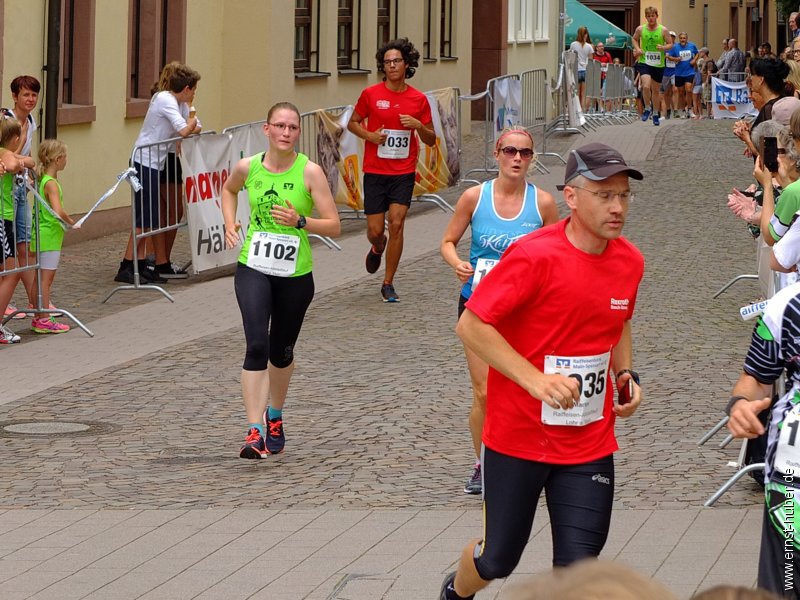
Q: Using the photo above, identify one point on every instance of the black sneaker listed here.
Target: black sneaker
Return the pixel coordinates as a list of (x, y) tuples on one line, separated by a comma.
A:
[(253, 447), (171, 271), (276, 440), (448, 592), (125, 274), (388, 293), (475, 482), (149, 275), (373, 260)]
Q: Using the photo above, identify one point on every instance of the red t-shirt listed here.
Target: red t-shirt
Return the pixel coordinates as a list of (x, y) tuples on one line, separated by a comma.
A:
[(381, 108), (605, 60), (546, 297)]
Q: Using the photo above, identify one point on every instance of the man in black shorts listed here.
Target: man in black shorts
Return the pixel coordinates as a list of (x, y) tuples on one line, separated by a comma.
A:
[(388, 117), (650, 44)]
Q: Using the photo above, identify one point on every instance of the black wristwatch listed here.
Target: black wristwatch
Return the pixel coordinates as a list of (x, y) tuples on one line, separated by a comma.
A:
[(634, 375), (301, 222)]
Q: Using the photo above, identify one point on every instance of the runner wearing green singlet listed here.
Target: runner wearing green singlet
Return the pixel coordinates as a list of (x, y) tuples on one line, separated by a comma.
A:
[(650, 43), (273, 282)]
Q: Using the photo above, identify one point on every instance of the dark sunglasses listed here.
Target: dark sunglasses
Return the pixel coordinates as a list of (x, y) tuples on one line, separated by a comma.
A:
[(512, 151)]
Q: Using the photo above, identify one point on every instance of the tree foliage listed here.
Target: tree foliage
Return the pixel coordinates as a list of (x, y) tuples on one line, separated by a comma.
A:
[(786, 7)]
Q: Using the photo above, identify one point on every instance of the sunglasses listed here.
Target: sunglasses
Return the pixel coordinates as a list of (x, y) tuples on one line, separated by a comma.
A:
[(512, 151)]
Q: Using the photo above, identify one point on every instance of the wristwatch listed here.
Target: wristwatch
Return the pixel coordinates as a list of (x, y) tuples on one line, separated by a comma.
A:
[(301, 222), (634, 375)]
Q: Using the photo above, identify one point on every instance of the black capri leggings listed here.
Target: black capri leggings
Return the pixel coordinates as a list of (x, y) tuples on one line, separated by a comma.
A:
[(579, 499), (262, 298)]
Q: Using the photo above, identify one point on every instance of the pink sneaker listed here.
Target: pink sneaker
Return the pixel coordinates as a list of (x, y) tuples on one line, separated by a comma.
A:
[(10, 309), (49, 325), (51, 307)]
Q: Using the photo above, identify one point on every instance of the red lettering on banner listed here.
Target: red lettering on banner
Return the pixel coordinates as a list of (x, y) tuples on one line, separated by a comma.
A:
[(205, 186)]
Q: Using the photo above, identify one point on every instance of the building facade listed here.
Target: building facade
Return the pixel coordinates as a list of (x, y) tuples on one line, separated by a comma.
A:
[(315, 53)]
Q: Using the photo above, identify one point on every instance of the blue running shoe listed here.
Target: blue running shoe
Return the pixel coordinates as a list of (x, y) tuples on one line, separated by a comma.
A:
[(388, 293), (254, 446), (656, 121), (645, 115), (276, 440)]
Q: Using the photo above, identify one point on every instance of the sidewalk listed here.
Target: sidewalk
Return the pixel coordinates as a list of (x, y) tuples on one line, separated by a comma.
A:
[(151, 501)]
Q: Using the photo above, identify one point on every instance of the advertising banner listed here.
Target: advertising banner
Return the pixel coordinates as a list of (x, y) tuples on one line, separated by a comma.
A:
[(730, 99)]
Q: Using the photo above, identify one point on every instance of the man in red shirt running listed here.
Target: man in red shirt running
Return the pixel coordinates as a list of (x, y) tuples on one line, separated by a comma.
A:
[(388, 117), (553, 322)]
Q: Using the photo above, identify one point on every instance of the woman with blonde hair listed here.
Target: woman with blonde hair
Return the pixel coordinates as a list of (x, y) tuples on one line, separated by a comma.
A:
[(582, 46), (793, 78), (497, 212)]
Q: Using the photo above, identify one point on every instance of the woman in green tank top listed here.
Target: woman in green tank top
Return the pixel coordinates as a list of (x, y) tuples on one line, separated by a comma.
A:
[(273, 282)]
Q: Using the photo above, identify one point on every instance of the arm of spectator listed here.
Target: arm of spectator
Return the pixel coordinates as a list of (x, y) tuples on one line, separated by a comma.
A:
[(786, 252), (756, 396), (764, 177)]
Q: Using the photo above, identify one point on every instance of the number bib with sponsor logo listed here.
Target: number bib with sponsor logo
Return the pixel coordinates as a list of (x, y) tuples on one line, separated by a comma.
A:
[(396, 145), (590, 372), (685, 55), (273, 253), (787, 453), (652, 59), (482, 268)]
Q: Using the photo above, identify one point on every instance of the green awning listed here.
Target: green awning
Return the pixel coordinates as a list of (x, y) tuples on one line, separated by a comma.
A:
[(600, 30)]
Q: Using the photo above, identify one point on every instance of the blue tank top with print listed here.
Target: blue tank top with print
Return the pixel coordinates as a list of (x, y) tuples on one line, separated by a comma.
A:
[(492, 234)]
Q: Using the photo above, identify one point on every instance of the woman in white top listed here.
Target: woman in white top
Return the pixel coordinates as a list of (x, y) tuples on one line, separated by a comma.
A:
[(582, 46)]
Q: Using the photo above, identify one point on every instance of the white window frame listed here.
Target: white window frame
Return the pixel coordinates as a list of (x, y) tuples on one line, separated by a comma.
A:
[(520, 20), (541, 28)]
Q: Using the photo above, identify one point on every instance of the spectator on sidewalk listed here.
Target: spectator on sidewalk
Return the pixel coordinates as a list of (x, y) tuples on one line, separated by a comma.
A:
[(25, 94), (163, 121), (582, 47), (52, 159), (731, 67)]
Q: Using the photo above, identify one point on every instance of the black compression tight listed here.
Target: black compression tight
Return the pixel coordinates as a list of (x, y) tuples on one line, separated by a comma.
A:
[(272, 310), (579, 499)]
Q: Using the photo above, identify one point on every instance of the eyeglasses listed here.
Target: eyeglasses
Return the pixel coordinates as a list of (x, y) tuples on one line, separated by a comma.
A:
[(781, 150), (609, 196), (282, 126), (392, 61), (796, 52), (512, 151)]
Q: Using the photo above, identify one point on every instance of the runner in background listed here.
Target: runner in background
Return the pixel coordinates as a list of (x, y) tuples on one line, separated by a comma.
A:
[(498, 212), (650, 42), (389, 116), (684, 55), (274, 284)]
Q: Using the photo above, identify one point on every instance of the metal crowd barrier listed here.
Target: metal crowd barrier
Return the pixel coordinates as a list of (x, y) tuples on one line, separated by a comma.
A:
[(168, 208), (489, 165), (561, 124), (18, 267), (608, 96), (533, 113), (778, 388)]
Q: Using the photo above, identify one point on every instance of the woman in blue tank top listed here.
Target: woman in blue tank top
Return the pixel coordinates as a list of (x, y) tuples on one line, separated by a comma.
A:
[(498, 212)]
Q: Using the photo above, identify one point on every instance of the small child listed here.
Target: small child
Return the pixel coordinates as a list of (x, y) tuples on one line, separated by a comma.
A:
[(10, 131), (52, 159)]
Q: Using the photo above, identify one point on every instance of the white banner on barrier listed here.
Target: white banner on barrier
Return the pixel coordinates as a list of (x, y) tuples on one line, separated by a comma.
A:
[(507, 101), (206, 162), (731, 99)]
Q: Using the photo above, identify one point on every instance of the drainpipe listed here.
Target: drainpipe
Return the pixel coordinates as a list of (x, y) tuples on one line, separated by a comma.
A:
[(52, 68)]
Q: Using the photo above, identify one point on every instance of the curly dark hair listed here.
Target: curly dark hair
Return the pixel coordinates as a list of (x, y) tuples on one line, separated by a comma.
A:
[(406, 48)]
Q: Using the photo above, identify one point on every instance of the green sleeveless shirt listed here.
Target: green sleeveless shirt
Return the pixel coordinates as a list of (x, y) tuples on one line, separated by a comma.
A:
[(264, 190), (648, 43), (7, 196), (52, 233)]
